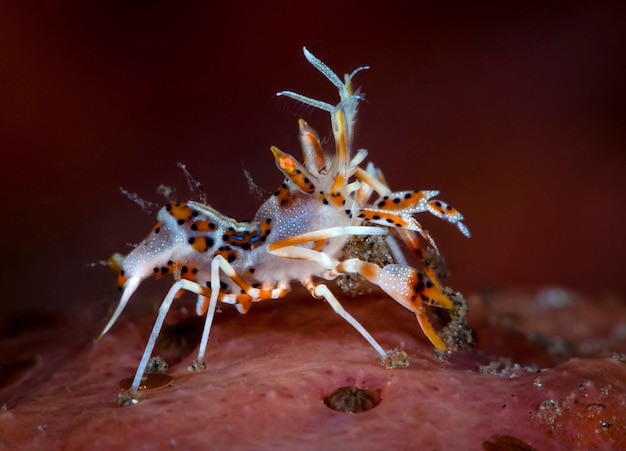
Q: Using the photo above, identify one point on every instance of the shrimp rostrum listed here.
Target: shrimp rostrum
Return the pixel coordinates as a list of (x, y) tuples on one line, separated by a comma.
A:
[(297, 235)]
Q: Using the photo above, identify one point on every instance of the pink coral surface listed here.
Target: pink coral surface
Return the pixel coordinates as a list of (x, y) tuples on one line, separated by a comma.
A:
[(557, 384)]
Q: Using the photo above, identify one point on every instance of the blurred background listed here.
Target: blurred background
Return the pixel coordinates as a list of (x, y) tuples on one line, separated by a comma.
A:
[(514, 112)]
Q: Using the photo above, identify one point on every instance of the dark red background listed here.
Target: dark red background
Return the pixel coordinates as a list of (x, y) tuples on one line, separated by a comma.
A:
[(516, 113)]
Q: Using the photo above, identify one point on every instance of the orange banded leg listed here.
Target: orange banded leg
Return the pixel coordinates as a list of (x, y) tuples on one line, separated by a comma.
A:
[(408, 287), (256, 294)]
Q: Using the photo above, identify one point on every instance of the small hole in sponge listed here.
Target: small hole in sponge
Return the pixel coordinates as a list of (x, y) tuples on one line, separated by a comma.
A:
[(352, 399)]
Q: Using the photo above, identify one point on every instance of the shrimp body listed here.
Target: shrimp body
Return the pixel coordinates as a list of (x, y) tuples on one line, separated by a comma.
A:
[(297, 235)]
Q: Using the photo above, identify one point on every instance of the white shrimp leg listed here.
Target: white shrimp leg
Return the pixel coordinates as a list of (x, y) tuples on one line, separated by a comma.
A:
[(218, 263), (129, 288), (322, 291), (182, 284)]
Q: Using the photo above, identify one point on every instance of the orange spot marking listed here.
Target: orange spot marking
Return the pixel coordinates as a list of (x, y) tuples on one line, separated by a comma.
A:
[(384, 218), (164, 271), (369, 271), (400, 201), (190, 273), (336, 193), (200, 244), (203, 226), (180, 210), (121, 279), (319, 245), (443, 208), (286, 163), (428, 292), (283, 195), (265, 228)]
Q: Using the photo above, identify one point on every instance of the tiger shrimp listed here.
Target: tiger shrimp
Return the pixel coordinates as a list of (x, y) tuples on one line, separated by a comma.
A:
[(297, 235)]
